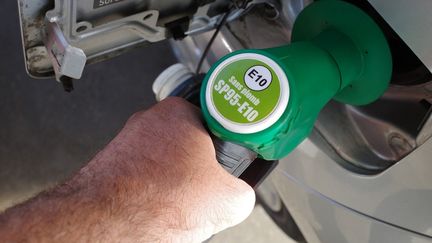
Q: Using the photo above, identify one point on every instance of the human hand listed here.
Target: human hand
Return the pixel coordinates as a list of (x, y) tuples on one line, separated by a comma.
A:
[(165, 160), (157, 181)]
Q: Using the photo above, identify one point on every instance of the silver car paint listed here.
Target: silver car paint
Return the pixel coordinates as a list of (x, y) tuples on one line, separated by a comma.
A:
[(412, 21), (402, 195), (323, 220)]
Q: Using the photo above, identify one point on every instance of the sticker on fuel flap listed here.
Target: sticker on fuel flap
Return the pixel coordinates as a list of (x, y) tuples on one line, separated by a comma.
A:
[(103, 3)]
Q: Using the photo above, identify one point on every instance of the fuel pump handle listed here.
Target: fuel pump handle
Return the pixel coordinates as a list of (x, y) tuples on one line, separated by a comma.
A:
[(268, 100)]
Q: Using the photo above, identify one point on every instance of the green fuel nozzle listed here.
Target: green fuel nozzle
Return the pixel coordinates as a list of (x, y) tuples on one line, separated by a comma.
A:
[(268, 100)]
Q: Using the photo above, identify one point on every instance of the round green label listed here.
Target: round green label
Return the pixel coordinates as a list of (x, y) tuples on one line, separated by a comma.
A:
[(245, 91)]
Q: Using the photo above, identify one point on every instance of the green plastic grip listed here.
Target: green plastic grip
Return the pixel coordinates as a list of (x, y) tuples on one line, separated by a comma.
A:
[(337, 52)]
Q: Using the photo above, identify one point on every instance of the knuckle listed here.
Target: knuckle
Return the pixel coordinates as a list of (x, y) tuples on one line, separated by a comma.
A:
[(175, 106), (136, 116), (174, 103)]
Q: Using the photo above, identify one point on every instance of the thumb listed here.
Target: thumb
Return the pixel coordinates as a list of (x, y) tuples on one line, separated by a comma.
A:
[(237, 205)]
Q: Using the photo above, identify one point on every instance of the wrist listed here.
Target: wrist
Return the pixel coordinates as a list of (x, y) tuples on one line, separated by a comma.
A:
[(135, 201)]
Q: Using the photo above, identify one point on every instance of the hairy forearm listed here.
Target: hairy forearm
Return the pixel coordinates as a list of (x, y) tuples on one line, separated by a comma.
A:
[(95, 205), (112, 199), (76, 206)]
